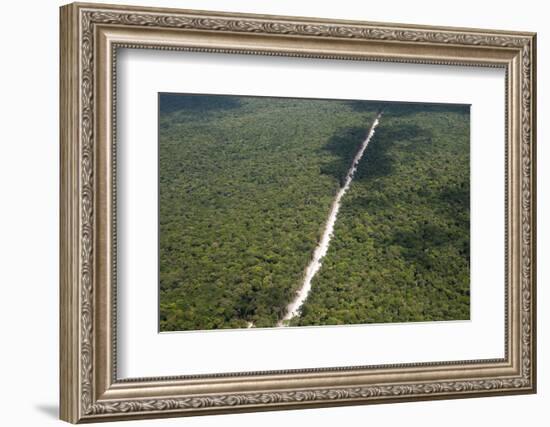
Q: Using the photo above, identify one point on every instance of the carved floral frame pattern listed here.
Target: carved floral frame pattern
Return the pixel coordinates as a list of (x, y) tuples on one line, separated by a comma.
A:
[(86, 407)]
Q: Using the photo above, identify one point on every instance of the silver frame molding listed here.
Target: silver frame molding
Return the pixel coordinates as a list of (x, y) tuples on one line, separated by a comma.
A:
[(90, 36)]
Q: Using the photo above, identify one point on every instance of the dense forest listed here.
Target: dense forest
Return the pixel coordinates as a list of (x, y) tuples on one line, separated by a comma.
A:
[(245, 186), (401, 246)]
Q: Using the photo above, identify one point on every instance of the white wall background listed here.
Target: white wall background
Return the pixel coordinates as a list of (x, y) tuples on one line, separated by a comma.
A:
[(29, 169)]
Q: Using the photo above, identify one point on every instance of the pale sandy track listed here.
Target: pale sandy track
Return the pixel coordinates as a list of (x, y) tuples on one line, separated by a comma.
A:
[(293, 309)]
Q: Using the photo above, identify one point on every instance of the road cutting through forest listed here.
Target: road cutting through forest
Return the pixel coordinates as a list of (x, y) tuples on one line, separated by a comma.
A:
[(293, 309)]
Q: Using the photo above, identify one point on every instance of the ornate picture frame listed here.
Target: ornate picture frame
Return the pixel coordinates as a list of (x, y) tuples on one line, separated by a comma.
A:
[(90, 37)]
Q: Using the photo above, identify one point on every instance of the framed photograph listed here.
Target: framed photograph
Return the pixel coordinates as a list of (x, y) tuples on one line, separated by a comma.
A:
[(265, 212)]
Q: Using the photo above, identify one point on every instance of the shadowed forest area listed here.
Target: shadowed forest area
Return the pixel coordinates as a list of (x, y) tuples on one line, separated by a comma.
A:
[(401, 245), (245, 186)]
